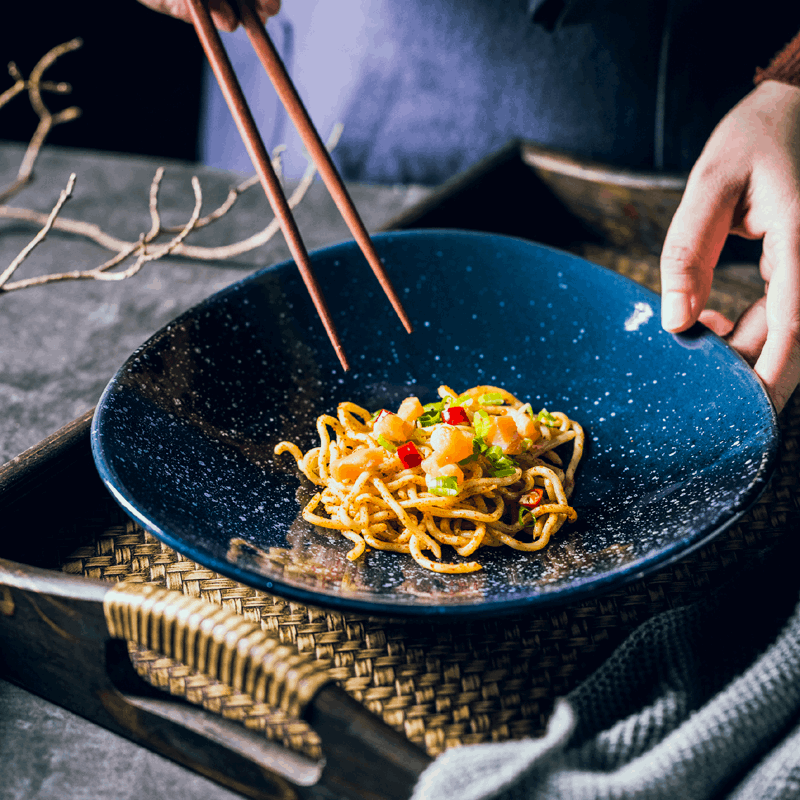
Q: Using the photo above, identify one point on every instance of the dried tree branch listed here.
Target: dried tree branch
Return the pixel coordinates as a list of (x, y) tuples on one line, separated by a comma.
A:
[(101, 272), (63, 197), (162, 251), (146, 248), (47, 120), (96, 234)]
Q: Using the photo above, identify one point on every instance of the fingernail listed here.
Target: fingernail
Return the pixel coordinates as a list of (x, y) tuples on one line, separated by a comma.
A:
[(675, 310)]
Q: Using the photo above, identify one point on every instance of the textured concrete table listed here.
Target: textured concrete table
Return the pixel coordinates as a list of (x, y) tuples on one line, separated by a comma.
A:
[(59, 346)]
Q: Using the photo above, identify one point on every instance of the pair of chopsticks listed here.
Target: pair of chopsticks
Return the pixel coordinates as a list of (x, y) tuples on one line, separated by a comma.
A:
[(234, 97)]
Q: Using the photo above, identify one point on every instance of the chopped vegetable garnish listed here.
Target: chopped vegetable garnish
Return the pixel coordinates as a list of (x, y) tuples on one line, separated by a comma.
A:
[(502, 465), (481, 424), (455, 415), (494, 453), (522, 513), (491, 399), (384, 442), (528, 410), (432, 412), (532, 498), (548, 419), (409, 455), (444, 487)]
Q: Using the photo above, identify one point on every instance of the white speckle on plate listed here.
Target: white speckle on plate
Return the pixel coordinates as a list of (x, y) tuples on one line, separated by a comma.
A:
[(642, 312)]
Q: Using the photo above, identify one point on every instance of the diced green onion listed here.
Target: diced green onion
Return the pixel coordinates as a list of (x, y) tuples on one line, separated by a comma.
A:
[(548, 419), (502, 472), (491, 399), (494, 453), (444, 487), (522, 513), (385, 443), (478, 447), (528, 410), (526, 445), (501, 464), (481, 424), (432, 414)]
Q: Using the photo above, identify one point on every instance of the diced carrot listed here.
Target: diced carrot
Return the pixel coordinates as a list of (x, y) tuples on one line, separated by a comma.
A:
[(451, 471), (436, 467), (526, 425), (451, 444), (392, 427), (503, 433), (410, 409), (361, 460)]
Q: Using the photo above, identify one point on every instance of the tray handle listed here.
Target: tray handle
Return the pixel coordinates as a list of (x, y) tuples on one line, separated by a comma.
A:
[(215, 641), (364, 757), (63, 637)]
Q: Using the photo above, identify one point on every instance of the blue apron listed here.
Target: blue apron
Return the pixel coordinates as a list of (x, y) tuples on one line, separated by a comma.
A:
[(425, 88)]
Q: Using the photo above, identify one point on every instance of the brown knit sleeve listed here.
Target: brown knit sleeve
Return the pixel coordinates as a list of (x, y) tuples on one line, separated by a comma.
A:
[(785, 67)]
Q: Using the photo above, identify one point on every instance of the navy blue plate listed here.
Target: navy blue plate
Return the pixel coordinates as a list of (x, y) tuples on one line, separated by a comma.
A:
[(681, 436)]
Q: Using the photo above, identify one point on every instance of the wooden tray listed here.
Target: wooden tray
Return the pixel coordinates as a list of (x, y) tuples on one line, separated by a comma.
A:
[(415, 689)]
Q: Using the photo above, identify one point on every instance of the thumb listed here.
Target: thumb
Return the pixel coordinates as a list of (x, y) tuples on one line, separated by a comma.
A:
[(693, 244)]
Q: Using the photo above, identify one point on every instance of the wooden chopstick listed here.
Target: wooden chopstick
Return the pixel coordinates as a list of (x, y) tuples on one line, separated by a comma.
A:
[(234, 97), (271, 61)]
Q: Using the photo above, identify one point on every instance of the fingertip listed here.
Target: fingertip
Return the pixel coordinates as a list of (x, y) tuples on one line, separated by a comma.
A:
[(716, 322), (676, 312), (224, 17)]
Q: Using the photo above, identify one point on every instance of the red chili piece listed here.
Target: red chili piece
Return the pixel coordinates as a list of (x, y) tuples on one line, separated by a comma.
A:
[(455, 415), (381, 414), (409, 455), (532, 499)]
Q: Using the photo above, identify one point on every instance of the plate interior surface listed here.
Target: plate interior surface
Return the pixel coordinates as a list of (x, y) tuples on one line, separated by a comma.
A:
[(681, 437)]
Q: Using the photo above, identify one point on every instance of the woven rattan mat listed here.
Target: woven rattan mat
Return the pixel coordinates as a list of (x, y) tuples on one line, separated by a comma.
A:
[(444, 684)]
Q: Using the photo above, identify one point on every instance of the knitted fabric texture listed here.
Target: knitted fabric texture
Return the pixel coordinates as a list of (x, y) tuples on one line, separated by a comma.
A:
[(697, 703)]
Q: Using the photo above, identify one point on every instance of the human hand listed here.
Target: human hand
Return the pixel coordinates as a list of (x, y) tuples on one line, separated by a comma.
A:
[(222, 12), (746, 181)]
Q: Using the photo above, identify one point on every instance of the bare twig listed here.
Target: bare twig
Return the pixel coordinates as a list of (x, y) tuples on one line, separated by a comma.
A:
[(145, 248), (120, 246), (101, 272), (63, 197), (160, 252), (47, 121)]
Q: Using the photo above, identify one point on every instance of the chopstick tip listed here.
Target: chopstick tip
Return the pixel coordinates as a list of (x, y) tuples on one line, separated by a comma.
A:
[(342, 358)]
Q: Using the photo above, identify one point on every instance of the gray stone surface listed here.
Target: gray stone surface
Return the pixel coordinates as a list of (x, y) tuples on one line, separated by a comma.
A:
[(59, 346), (48, 753), (61, 343)]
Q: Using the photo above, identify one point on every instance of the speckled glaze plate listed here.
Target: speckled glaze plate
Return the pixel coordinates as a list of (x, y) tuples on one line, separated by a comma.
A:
[(681, 436)]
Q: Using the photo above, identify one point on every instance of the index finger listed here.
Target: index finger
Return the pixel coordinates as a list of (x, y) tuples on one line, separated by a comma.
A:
[(693, 243)]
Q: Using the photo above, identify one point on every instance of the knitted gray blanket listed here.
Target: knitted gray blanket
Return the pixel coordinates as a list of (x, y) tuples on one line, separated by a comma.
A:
[(699, 702)]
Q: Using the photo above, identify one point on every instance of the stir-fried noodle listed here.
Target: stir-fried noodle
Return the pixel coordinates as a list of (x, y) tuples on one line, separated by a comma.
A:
[(473, 470)]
